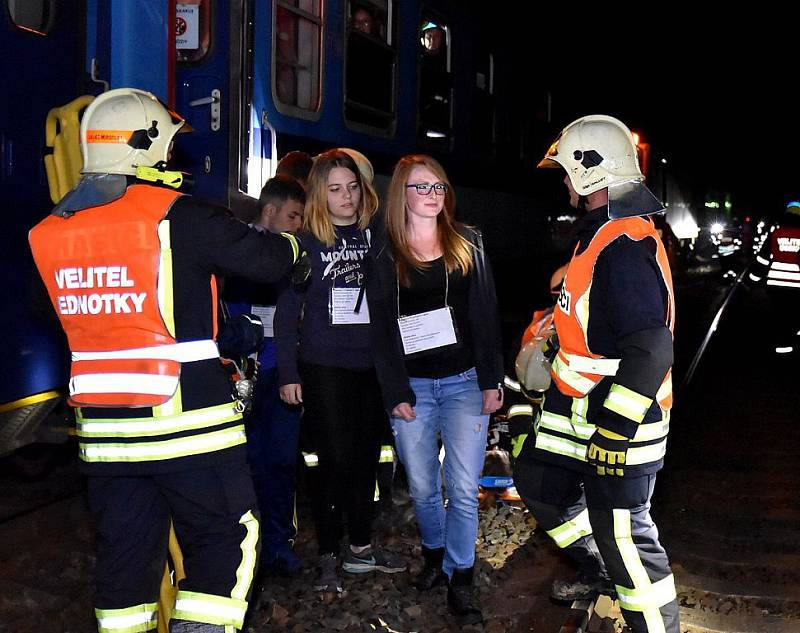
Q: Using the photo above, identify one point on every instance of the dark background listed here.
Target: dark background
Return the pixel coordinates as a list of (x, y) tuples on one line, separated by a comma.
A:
[(716, 95)]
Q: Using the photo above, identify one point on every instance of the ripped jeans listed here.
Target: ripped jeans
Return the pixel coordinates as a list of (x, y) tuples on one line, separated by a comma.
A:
[(447, 408)]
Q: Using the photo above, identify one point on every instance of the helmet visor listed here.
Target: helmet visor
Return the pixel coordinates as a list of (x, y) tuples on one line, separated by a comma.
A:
[(630, 199)]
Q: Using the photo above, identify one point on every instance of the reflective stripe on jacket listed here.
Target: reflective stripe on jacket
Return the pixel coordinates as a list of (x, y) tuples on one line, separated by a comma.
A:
[(108, 272), (576, 370), (576, 402)]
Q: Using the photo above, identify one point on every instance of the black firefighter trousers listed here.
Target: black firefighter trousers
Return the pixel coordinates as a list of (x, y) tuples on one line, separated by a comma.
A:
[(604, 524), (216, 524)]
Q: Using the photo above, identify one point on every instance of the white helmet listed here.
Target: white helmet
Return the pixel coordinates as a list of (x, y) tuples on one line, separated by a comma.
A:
[(598, 151), (361, 161), (124, 129), (533, 363)]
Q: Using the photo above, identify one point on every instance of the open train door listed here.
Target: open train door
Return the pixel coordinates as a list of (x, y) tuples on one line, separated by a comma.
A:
[(207, 92)]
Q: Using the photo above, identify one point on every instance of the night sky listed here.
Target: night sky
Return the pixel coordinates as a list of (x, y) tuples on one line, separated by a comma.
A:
[(720, 103)]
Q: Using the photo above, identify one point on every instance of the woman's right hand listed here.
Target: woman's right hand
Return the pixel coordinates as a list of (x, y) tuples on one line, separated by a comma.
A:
[(404, 411), (291, 393)]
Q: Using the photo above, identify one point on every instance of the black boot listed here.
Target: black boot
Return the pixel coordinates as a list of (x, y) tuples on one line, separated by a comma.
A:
[(431, 575), (461, 600)]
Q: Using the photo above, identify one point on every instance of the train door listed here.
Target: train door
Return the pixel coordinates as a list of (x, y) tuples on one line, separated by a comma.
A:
[(206, 57)]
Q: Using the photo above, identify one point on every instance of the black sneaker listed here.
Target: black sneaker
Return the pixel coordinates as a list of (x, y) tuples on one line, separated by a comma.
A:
[(372, 559)]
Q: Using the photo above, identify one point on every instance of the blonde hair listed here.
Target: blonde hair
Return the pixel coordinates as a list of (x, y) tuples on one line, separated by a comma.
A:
[(315, 218), (456, 249)]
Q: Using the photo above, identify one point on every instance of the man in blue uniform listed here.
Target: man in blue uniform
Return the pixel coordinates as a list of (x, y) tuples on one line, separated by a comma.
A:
[(272, 426), (589, 471)]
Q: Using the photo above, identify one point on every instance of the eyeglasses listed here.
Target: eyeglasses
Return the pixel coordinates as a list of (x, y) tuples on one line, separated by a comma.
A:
[(424, 189)]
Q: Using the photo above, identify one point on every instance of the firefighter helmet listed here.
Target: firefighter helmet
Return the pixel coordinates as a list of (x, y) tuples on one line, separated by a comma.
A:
[(362, 162), (598, 152), (124, 129), (533, 362)]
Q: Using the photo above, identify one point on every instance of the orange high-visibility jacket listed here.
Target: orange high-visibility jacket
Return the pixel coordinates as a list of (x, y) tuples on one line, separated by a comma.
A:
[(576, 370), (107, 270)]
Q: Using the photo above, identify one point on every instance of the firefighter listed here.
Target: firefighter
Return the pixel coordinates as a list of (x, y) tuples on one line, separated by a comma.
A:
[(129, 264), (777, 267), (588, 472)]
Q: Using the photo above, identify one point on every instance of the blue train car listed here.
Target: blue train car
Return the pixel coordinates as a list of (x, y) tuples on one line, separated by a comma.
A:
[(256, 79)]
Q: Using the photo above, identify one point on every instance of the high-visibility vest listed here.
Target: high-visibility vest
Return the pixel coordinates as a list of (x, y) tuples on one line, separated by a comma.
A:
[(108, 272), (784, 265), (576, 369)]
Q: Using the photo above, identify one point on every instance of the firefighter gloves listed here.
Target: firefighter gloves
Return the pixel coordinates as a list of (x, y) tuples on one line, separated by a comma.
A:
[(607, 451)]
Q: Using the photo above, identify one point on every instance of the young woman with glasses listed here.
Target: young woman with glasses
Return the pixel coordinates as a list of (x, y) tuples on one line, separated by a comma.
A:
[(436, 336), (326, 363)]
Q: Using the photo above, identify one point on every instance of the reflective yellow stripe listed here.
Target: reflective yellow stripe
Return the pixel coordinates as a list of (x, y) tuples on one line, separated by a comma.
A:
[(580, 406), (512, 384), (244, 574), (144, 427), (172, 407), (517, 444), (645, 454), (24, 402), (563, 424), (386, 456), (570, 531), (656, 595), (519, 409), (142, 617), (761, 260), (560, 446), (652, 431), (204, 607), (627, 403), (575, 380), (167, 449), (165, 296), (311, 459), (295, 246), (591, 365), (641, 592)]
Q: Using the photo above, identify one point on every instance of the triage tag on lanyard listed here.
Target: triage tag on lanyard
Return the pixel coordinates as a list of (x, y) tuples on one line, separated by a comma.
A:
[(344, 308), (427, 330), (267, 316)]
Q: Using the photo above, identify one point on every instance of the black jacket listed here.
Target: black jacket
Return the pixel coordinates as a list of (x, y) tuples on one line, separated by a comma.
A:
[(387, 345)]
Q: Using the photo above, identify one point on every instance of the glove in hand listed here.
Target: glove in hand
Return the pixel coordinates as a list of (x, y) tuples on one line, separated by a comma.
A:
[(607, 452)]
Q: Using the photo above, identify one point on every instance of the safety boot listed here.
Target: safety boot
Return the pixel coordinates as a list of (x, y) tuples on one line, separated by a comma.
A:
[(431, 575), (461, 598)]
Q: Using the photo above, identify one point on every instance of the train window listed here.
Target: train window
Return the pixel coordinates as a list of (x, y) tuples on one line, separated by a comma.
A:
[(435, 81), (192, 30), (32, 15), (297, 56), (482, 130), (370, 64)]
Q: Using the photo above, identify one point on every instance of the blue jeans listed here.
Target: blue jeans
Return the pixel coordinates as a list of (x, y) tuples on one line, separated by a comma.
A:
[(449, 408)]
